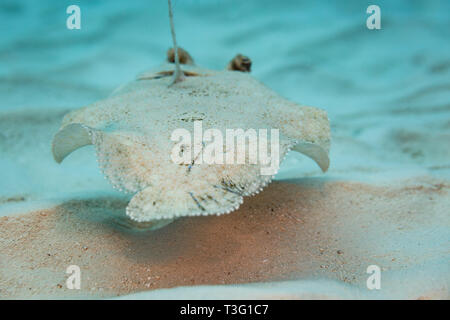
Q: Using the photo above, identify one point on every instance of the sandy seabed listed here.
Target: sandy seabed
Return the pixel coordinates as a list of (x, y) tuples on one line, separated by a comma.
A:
[(385, 200), (300, 229)]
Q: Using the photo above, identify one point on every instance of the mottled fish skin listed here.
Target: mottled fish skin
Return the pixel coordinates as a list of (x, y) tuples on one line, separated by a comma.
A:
[(131, 133)]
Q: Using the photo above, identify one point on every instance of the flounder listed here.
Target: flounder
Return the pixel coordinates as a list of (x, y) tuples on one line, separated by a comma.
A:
[(132, 130)]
